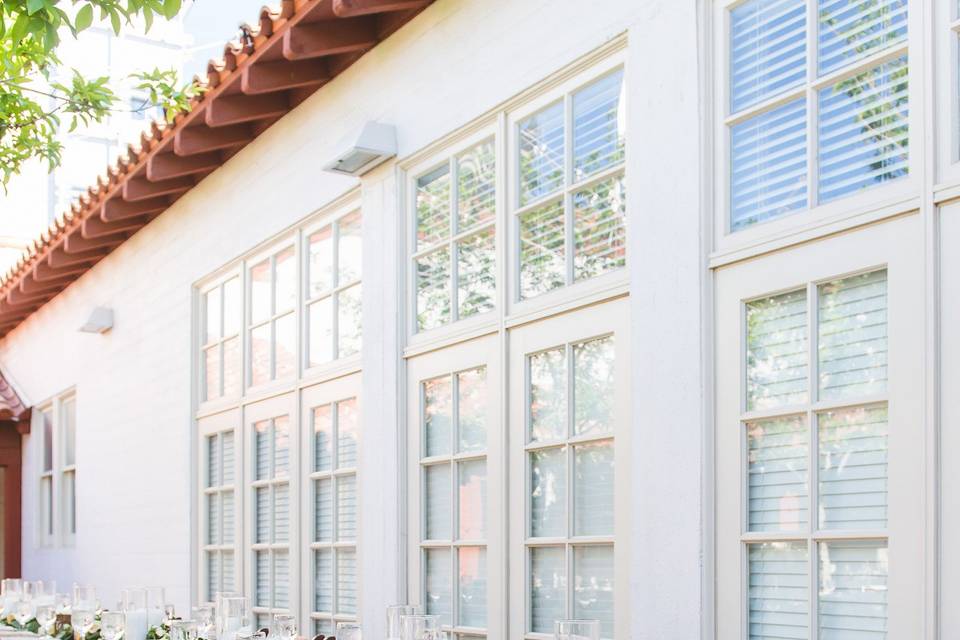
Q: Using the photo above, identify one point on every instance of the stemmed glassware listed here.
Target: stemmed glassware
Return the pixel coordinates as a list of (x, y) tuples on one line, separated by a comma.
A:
[(61, 603), (85, 597), (232, 617), (111, 624), (45, 614), (284, 626), (44, 591), (421, 627), (10, 591), (395, 613), (82, 619), (183, 630), (156, 599), (576, 630), (204, 615), (24, 609)]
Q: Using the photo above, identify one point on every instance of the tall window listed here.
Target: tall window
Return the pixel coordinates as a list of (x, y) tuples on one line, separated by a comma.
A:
[(818, 103), (816, 461), (220, 353), (58, 472), (570, 199), (333, 477), (219, 494), (454, 252), (273, 322)]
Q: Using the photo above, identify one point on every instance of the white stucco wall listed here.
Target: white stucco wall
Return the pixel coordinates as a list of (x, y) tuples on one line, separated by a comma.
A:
[(457, 60)]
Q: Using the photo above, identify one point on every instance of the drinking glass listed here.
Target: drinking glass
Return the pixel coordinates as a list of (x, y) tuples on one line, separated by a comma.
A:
[(183, 630), (61, 603), (84, 596), (204, 615), (82, 619), (29, 590), (133, 603), (111, 624), (394, 613), (156, 599), (44, 591), (419, 627), (10, 590), (232, 617), (45, 615), (576, 630), (24, 610), (348, 631), (285, 626)]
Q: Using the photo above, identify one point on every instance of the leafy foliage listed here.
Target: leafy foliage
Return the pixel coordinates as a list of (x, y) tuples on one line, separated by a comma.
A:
[(33, 105)]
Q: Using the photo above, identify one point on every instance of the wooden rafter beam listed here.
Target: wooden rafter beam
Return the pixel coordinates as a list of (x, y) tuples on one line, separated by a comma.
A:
[(75, 243), (32, 285), (203, 139), (94, 227), (18, 298), (118, 209), (43, 272), (350, 8), (142, 189), (59, 258), (166, 166), (328, 38), (236, 109), (269, 77)]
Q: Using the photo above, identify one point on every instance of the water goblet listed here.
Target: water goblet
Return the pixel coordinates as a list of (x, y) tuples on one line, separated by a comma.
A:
[(45, 614), (61, 603), (169, 612), (576, 630), (204, 615), (285, 626), (24, 610), (111, 624), (232, 617), (82, 619)]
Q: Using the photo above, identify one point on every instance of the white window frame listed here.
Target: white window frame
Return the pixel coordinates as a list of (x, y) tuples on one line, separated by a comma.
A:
[(889, 246), (877, 202), (63, 504)]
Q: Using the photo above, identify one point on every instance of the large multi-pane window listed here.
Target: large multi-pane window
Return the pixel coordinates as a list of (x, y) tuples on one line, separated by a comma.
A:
[(817, 103), (219, 508), (57, 522)]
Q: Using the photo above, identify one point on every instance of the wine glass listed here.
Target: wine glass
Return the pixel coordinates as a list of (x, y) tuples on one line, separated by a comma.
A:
[(285, 626), (348, 631), (419, 627), (84, 597), (394, 613), (232, 617), (24, 610), (576, 630), (45, 614), (183, 630), (82, 619), (111, 624), (204, 615), (61, 603)]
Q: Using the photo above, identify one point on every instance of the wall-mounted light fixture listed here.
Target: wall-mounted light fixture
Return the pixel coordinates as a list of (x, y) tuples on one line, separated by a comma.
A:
[(100, 321), (376, 144)]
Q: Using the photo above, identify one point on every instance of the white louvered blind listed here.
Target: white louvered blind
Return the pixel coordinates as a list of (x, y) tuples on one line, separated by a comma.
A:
[(272, 517), (853, 590), (777, 474), (541, 153), (347, 581), (438, 507), (778, 591), (323, 510), (323, 580), (777, 370), (599, 126), (542, 250), (853, 30), (346, 508), (218, 497), (548, 588)]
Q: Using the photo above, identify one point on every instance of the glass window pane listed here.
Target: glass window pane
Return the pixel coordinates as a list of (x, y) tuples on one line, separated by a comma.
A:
[(211, 372), (777, 474), (350, 250), (213, 461), (227, 519), (599, 231), (864, 130), (476, 276), (260, 355), (346, 581), (541, 153), (47, 484), (853, 468), (70, 506), (777, 350), (286, 289), (262, 509), (593, 489), (593, 384), (232, 307), (853, 589), (851, 31), (433, 206), (323, 580), (599, 125), (226, 440), (768, 165), (211, 308), (286, 355), (472, 409), (323, 511), (348, 428), (767, 49), (260, 289), (548, 588), (281, 513), (47, 440), (438, 510), (69, 410), (439, 584), (548, 492), (433, 289), (322, 438), (593, 586), (472, 500), (320, 261), (213, 573), (349, 323), (321, 331), (853, 336), (542, 250), (477, 183), (281, 447), (778, 592), (232, 369), (472, 587), (437, 415), (213, 518), (229, 584), (548, 395), (346, 508), (262, 448), (281, 579)]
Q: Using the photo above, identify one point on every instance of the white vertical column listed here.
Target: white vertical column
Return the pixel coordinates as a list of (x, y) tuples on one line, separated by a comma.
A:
[(667, 229), (381, 545)]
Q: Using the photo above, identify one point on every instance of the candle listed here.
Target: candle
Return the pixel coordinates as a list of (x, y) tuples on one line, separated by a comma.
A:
[(135, 624)]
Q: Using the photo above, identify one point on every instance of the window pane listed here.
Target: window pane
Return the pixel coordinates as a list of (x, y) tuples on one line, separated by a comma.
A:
[(767, 49), (286, 328), (350, 251), (476, 276), (437, 415), (438, 510), (472, 498), (593, 586), (542, 241), (70, 489), (777, 474), (286, 289), (47, 493), (477, 182), (323, 511), (346, 508), (439, 584), (226, 440), (863, 130), (69, 409), (433, 206), (599, 232), (227, 569), (226, 501), (853, 589), (323, 580), (231, 367), (349, 324), (548, 588), (777, 350), (232, 307), (260, 355), (472, 409), (472, 574), (548, 492), (320, 261), (541, 153), (260, 291), (213, 574), (262, 447), (47, 440), (599, 125), (593, 489), (281, 513), (768, 165), (348, 419), (853, 336), (211, 309), (211, 372), (548, 395), (853, 468), (262, 508), (346, 581), (321, 331), (281, 577), (213, 519), (213, 461), (853, 30), (322, 438), (778, 590), (593, 386), (281, 447), (433, 289)]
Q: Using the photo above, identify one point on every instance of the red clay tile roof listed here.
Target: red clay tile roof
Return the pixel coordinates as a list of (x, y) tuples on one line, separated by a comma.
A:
[(278, 63), (12, 408)]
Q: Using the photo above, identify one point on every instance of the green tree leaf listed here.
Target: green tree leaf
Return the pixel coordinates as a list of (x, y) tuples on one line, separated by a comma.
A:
[(84, 17), (33, 6), (171, 8)]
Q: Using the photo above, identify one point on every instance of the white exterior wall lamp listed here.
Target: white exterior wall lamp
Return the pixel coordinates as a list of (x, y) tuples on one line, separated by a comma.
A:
[(376, 144)]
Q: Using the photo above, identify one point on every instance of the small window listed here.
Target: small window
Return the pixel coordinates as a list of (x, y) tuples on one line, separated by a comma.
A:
[(57, 521), (220, 351), (272, 319)]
